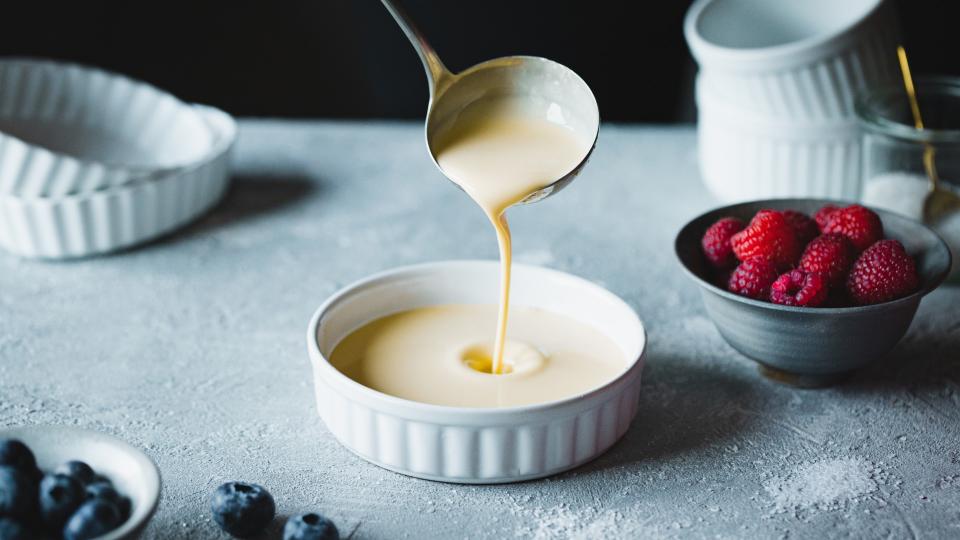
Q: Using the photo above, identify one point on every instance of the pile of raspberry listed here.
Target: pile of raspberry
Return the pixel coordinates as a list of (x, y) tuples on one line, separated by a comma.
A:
[(837, 258)]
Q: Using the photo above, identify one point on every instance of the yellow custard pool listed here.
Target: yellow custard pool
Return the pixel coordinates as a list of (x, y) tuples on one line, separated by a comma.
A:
[(441, 355)]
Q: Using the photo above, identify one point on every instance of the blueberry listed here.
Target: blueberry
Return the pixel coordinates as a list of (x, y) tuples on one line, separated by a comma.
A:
[(310, 527), (242, 509), (60, 496), (82, 472), (97, 478), (126, 508), (94, 518), (14, 453), (102, 490), (12, 530), (18, 493)]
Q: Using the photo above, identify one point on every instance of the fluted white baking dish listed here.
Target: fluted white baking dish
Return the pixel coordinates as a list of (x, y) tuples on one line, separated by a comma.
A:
[(113, 218), (66, 129), (797, 60), (474, 445), (745, 157)]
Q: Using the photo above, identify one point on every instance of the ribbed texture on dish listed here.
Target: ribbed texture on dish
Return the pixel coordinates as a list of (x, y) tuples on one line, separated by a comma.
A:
[(531, 445), (780, 121), (115, 218), (821, 90), (739, 164), (30, 170), (68, 129)]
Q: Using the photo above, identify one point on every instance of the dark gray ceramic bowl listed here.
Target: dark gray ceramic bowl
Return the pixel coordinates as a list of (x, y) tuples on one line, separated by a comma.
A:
[(811, 347)]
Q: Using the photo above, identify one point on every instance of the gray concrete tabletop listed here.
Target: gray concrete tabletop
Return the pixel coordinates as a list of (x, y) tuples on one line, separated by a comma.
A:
[(192, 347)]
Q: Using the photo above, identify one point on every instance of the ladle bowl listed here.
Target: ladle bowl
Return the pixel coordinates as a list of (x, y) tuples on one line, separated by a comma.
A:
[(556, 92)]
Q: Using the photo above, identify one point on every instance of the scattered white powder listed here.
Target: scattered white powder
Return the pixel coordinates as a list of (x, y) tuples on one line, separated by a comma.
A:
[(904, 193), (830, 484), (563, 523)]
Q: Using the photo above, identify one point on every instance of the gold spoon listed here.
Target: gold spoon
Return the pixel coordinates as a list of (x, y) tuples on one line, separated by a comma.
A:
[(939, 202)]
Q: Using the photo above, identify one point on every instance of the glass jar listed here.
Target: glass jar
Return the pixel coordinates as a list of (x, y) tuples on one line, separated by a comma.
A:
[(892, 169)]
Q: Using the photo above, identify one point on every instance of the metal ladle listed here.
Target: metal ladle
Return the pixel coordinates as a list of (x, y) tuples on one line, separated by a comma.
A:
[(544, 79)]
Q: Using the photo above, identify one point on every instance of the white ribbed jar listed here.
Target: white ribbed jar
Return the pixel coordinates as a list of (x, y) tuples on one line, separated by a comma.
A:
[(474, 445), (802, 61), (744, 157)]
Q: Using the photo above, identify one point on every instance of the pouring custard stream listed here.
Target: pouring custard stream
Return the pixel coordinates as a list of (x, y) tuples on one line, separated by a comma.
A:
[(500, 150)]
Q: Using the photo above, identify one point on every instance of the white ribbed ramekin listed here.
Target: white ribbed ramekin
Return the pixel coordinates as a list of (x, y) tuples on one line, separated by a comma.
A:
[(474, 445), (67, 129), (844, 48), (745, 158), (113, 218)]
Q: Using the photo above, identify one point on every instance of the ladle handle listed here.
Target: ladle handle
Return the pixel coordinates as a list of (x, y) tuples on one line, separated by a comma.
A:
[(437, 73)]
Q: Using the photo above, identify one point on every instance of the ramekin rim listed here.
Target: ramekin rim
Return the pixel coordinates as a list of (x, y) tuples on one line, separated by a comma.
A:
[(136, 170), (317, 359), (225, 140), (799, 48)]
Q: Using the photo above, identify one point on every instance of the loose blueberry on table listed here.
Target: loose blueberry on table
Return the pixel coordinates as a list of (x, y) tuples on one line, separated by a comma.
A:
[(242, 509), (73, 502), (310, 527), (837, 258)]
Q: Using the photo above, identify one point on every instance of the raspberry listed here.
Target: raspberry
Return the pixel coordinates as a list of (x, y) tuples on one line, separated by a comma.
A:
[(883, 272), (799, 288), (861, 225), (823, 215), (769, 236), (830, 255), (753, 278), (716, 242), (805, 228)]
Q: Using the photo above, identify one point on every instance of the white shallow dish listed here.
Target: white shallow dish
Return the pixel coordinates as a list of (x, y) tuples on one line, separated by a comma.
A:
[(67, 129), (114, 218), (794, 60), (744, 157), (474, 445), (131, 471)]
